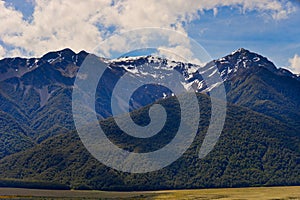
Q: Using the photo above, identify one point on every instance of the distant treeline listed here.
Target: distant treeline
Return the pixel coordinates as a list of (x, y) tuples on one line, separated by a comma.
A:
[(32, 184)]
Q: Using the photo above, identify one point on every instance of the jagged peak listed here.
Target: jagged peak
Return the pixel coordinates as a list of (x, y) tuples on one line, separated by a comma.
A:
[(243, 54), (58, 53), (67, 50), (241, 59), (240, 50), (151, 59), (83, 52), (128, 58)]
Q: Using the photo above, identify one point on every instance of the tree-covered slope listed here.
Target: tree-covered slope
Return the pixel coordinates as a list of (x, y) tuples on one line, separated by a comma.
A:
[(13, 136), (267, 93), (253, 150)]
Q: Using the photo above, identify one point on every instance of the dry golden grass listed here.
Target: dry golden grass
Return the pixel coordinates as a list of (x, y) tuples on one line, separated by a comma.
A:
[(261, 193)]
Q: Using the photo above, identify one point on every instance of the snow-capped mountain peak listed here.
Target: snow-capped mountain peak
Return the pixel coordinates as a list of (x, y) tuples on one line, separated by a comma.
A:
[(59, 69), (241, 59)]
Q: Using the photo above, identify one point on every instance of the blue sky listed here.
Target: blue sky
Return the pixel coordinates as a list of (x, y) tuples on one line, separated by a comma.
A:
[(278, 40), (271, 28)]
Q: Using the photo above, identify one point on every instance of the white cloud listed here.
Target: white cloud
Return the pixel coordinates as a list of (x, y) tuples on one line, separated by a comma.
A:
[(10, 20), (84, 24), (277, 9), (215, 10), (295, 64), (179, 53), (55, 25), (2, 52)]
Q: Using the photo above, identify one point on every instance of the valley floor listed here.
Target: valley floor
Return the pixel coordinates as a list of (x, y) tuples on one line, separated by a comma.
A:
[(261, 193)]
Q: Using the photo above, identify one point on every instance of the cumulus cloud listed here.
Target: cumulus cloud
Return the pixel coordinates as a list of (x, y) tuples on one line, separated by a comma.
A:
[(137, 13), (55, 25), (295, 64), (2, 52), (85, 24)]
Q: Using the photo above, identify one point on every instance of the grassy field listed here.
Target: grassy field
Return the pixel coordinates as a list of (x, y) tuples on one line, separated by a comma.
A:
[(261, 193)]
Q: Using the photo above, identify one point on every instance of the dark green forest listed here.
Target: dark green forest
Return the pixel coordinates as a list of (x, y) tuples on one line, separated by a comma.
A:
[(253, 150)]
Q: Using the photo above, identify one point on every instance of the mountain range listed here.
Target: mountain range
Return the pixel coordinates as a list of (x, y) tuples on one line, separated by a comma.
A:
[(259, 144)]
